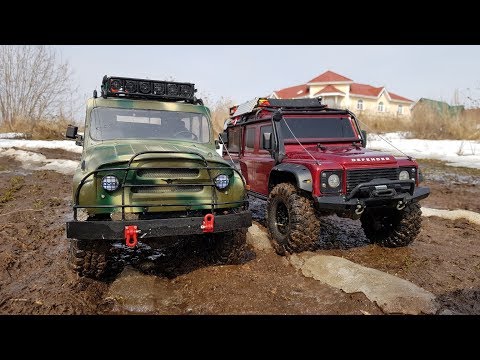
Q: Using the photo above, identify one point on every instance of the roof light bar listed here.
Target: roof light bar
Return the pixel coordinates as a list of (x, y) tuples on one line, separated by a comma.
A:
[(249, 106), (115, 86)]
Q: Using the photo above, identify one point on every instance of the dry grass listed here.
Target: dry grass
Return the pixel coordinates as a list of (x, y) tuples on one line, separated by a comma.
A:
[(427, 124), (39, 130), (16, 183), (382, 124)]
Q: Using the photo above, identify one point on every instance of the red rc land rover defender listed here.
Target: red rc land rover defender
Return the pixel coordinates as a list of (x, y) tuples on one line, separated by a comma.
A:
[(308, 160)]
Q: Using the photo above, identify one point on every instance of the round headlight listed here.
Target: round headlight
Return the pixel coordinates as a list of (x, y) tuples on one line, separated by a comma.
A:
[(222, 181), (403, 175), (333, 181), (110, 183)]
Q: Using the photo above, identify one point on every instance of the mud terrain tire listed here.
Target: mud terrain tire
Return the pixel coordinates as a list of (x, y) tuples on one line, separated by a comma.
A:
[(228, 247), (392, 228), (89, 258), (291, 220)]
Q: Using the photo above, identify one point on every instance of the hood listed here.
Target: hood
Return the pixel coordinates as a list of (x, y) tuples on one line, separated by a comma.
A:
[(344, 155), (114, 152)]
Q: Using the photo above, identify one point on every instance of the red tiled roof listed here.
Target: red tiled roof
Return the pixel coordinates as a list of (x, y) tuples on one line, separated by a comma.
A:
[(365, 90), (292, 92), (329, 89), (368, 90), (398, 97), (355, 89), (329, 76)]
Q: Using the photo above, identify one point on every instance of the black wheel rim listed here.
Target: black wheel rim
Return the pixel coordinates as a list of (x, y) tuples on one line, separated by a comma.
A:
[(282, 220)]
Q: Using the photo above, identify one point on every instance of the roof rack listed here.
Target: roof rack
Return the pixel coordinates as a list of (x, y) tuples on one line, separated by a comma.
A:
[(123, 87), (270, 104)]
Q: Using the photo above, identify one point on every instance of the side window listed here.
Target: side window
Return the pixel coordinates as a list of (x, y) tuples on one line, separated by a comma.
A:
[(263, 130), (250, 138), (400, 110), (381, 108), (360, 104), (234, 140), (205, 130)]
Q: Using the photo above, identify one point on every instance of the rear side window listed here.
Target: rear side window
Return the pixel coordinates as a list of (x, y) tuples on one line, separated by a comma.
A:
[(234, 140), (263, 130), (250, 138)]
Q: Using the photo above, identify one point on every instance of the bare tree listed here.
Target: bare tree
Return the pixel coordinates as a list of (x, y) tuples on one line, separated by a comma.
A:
[(34, 84), (219, 109)]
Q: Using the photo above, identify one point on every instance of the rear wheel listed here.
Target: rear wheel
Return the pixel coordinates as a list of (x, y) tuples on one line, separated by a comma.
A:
[(291, 220), (89, 258), (392, 228)]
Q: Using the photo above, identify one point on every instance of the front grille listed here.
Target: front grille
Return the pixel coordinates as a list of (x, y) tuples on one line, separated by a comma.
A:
[(167, 189), (168, 173), (355, 177)]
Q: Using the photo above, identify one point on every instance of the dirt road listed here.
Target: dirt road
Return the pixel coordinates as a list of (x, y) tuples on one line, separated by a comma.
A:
[(34, 278)]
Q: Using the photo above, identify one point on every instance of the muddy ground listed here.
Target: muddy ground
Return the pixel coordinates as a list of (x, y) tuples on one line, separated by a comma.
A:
[(35, 279)]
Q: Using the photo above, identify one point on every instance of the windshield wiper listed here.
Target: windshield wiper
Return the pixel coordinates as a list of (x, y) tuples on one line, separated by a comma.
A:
[(321, 147), (357, 144)]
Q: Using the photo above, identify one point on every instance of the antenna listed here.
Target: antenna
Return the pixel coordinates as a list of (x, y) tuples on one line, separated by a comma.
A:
[(388, 142)]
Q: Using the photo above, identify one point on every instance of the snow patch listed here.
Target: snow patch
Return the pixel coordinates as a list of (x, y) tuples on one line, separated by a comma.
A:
[(471, 216), (392, 294), (35, 161), (12, 135), (66, 145), (66, 167), (465, 153)]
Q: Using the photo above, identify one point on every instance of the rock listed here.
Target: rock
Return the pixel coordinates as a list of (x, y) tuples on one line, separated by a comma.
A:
[(392, 294), (258, 238), (471, 216)]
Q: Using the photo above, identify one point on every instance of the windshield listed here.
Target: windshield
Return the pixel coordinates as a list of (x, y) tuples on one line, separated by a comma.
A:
[(317, 128), (114, 123)]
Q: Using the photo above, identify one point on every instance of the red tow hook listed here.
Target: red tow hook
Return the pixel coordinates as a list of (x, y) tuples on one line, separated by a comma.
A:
[(131, 232), (208, 222)]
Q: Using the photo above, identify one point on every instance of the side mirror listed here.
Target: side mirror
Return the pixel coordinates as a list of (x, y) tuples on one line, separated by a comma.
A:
[(267, 141), (71, 132), (364, 138), (79, 140), (224, 137), (277, 116)]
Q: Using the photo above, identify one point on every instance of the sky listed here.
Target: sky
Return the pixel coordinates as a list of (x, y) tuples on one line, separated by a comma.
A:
[(242, 72)]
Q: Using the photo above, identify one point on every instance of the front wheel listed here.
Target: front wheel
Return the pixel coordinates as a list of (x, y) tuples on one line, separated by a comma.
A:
[(228, 247), (392, 228), (89, 258), (291, 220)]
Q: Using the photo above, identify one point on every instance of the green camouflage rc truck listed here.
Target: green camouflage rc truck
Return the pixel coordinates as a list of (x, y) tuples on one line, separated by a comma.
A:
[(150, 170)]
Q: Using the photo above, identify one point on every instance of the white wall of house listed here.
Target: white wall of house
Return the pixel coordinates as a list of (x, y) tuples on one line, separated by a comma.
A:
[(313, 89), (373, 106), (381, 106)]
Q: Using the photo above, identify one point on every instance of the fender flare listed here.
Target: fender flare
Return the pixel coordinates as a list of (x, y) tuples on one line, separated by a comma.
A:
[(303, 176)]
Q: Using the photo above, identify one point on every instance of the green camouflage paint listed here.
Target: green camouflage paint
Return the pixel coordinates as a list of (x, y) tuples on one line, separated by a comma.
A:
[(98, 154)]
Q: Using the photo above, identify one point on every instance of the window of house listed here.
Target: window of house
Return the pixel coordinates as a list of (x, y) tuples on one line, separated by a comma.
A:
[(381, 107), (400, 110), (250, 138), (360, 105)]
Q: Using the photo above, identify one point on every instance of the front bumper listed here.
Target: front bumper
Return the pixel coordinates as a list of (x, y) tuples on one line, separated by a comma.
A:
[(156, 228), (375, 197)]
